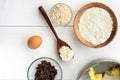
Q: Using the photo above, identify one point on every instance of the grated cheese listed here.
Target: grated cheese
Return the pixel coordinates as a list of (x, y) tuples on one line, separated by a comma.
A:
[(95, 25)]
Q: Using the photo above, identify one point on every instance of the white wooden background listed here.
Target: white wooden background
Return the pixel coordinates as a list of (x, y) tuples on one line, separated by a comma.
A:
[(20, 19), (25, 12)]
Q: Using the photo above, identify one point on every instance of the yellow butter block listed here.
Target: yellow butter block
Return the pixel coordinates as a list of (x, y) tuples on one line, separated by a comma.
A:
[(106, 77), (99, 77), (92, 74), (116, 71)]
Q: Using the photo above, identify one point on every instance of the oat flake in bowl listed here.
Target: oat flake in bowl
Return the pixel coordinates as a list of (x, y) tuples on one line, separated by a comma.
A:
[(61, 14)]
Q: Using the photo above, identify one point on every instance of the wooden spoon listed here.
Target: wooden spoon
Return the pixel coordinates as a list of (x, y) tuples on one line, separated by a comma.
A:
[(60, 42)]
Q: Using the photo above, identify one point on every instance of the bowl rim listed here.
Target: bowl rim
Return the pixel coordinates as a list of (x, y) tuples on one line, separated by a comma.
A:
[(44, 58), (77, 18), (50, 12), (95, 62)]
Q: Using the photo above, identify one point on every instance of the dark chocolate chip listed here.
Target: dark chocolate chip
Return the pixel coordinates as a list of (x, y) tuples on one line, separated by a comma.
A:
[(45, 71)]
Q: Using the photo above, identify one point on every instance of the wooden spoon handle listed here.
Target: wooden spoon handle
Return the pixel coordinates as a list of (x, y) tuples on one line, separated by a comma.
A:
[(41, 9)]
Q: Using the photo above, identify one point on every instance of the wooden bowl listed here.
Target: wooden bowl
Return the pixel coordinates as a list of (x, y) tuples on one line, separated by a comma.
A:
[(79, 14)]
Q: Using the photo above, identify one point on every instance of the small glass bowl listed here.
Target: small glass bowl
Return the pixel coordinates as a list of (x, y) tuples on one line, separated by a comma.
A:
[(32, 68), (51, 11)]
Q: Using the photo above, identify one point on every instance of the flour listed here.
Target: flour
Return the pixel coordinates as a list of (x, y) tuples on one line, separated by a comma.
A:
[(66, 53), (95, 25)]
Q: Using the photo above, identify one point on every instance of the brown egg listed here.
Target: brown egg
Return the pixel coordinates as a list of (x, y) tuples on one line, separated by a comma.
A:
[(34, 42)]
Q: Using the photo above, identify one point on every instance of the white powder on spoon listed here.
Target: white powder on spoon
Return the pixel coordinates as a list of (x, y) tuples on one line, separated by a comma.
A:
[(66, 53), (95, 25)]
